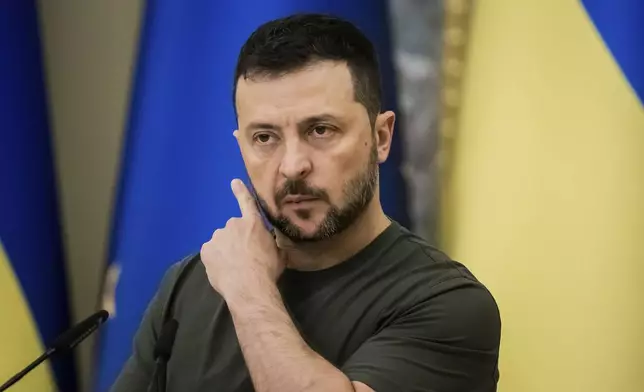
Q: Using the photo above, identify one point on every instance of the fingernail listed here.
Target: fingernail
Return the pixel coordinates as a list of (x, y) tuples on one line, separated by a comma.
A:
[(234, 184)]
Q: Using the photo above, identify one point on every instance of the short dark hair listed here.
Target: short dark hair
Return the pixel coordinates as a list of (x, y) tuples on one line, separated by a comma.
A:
[(289, 44)]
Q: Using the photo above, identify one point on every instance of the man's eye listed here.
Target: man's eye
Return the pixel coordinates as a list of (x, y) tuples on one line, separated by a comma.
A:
[(263, 138), (321, 130)]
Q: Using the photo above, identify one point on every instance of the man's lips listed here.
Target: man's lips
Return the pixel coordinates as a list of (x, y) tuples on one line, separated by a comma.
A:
[(298, 199)]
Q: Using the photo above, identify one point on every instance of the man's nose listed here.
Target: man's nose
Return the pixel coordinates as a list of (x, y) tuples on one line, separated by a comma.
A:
[(296, 162)]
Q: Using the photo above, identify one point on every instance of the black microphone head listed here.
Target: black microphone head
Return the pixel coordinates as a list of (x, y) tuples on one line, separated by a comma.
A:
[(80, 331), (163, 347)]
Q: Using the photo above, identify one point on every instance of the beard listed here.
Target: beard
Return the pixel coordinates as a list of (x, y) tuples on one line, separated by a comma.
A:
[(358, 193)]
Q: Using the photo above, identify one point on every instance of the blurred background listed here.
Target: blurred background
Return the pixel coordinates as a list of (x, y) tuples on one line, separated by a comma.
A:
[(519, 150)]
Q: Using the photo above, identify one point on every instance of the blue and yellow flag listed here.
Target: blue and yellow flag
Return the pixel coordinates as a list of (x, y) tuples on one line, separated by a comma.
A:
[(33, 302), (545, 199), (180, 154)]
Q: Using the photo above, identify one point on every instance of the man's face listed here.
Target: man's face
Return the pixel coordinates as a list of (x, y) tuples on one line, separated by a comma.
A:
[(309, 149)]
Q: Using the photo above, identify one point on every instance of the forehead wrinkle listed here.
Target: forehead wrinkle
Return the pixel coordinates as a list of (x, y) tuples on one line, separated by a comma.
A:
[(297, 116), (328, 83)]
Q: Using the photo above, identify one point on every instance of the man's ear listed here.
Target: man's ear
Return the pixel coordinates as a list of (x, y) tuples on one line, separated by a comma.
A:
[(239, 143), (384, 132)]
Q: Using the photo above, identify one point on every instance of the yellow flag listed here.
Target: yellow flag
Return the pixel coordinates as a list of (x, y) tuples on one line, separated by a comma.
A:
[(20, 342), (544, 199)]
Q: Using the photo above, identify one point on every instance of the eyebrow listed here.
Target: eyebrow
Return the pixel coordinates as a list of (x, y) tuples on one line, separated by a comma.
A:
[(302, 124)]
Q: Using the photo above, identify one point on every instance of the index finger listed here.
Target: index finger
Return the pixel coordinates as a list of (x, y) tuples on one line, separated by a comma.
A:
[(244, 198)]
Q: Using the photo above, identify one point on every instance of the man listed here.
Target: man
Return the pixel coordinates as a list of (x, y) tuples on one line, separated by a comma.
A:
[(337, 297)]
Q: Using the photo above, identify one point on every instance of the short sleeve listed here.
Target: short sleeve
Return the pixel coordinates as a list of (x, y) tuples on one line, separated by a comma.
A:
[(446, 343), (137, 371)]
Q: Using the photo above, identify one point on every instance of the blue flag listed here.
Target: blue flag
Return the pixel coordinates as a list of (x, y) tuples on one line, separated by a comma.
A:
[(180, 153), (33, 298), (619, 23)]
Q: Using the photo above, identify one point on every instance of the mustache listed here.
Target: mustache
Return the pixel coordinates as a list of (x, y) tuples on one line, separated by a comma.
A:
[(299, 187)]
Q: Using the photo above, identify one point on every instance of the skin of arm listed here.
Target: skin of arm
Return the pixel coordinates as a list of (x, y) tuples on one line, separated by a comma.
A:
[(243, 264), (275, 353)]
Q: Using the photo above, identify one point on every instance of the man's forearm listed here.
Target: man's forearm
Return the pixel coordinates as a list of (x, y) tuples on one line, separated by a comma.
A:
[(276, 355)]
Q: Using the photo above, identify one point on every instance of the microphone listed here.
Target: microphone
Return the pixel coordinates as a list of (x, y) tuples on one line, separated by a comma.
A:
[(162, 352), (65, 341)]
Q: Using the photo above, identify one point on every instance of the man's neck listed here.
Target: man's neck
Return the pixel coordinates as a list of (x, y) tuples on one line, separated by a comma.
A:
[(327, 253)]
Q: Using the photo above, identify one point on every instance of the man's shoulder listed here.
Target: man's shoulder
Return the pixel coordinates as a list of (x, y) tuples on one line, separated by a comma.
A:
[(445, 293), (175, 279), (178, 271), (426, 277), (429, 262)]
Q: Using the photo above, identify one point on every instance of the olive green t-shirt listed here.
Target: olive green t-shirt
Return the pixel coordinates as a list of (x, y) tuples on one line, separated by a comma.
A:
[(398, 316)]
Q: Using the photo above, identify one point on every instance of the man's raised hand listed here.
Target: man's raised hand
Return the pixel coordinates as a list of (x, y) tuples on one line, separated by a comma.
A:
[(243, 254)]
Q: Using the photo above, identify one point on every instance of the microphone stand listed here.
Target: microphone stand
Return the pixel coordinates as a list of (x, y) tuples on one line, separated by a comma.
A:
[(30, 367), (159, 376), (64, 342), (162, 352)]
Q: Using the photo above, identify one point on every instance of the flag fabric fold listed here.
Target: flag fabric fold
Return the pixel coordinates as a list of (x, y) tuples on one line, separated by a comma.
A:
[(180, 154), (33, 293)]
